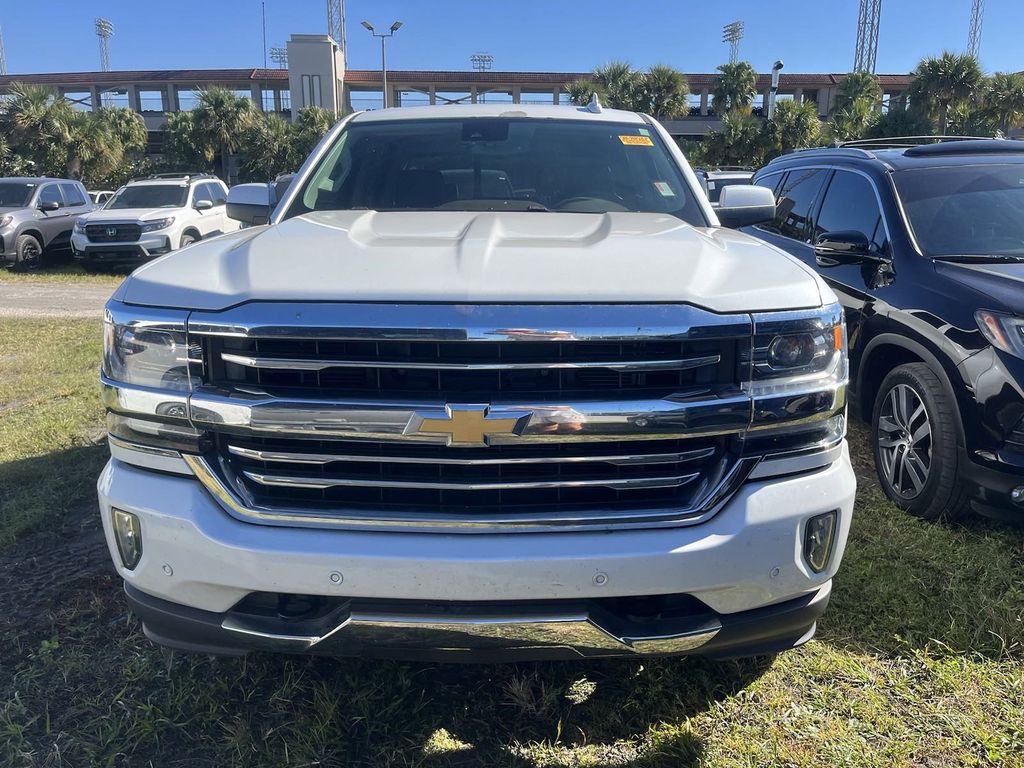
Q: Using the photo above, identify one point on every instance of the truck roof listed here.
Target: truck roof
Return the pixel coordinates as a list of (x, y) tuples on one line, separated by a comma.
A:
[(463, 111)]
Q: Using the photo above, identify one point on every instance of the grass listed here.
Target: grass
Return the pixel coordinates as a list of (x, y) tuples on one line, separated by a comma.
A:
[(918, 662), (58, 273)]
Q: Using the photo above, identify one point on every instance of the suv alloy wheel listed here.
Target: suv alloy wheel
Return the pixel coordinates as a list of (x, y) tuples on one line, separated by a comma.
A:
[(30, 253), (914, 440)]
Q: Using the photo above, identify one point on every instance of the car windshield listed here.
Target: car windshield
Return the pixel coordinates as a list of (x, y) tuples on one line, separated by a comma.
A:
[(965, 210), (499, 164), (15, 194), (149, 196)]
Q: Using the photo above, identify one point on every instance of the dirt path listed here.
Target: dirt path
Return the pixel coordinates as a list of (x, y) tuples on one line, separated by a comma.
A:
[(53, 299)]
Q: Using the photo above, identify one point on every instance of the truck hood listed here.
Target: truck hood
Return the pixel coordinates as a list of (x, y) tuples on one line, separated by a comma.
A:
[(128, 214), (473, 257)]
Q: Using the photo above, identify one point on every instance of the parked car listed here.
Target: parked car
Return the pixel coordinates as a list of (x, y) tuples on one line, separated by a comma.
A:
[(486, 385), (37, 215), (719, 178), (924, 245), (150, 217), (100, 197)]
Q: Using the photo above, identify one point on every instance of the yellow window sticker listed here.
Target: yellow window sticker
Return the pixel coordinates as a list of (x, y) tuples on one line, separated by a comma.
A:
[(636, 141)]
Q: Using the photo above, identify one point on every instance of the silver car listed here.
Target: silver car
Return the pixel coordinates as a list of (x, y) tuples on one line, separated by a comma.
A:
[(37, 215)]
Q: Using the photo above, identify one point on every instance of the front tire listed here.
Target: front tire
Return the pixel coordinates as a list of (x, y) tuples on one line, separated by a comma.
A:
[(28, 253), (187, 239), (914, 440)]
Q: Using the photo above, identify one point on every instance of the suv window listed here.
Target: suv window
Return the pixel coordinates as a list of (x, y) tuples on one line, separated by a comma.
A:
[(73, 194), (796, 200), (216, 193), (770, 181), (51, 194), (201, 192), (850, 204)]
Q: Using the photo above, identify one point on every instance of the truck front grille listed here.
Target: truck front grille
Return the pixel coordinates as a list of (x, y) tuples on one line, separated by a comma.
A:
[(460, 370), (113, 233), (430, 480)]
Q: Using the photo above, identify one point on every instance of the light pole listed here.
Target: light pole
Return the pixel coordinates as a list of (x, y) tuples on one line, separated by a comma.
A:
[(774, 92), (383, 52)]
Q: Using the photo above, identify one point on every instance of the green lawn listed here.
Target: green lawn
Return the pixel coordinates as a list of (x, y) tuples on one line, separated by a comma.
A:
[(62, 272), (919, 661)]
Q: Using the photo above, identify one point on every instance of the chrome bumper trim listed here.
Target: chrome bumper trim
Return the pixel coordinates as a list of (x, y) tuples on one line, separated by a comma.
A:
[(578, 631)]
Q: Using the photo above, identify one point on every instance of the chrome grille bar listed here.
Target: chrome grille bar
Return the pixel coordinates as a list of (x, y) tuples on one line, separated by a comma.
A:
[(321, 483), (301, 364), (295, 457)]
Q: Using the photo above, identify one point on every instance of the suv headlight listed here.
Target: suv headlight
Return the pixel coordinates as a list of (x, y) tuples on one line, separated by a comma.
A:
[(6, 220), (1004, 332), (153, 226), (147, 353), (80, 225), (796, 370)]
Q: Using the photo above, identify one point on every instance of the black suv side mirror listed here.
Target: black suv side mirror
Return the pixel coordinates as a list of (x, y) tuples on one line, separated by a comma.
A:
[(844, 247), (49, 205)]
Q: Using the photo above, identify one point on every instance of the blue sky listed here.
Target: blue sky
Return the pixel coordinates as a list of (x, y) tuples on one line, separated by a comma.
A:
[(556, 35)]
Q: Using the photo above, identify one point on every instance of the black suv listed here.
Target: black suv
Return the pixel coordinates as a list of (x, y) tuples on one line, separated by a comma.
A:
[(924, 245)]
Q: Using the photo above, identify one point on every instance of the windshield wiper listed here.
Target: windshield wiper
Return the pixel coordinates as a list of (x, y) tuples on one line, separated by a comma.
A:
[(991, 258), (491, 205)]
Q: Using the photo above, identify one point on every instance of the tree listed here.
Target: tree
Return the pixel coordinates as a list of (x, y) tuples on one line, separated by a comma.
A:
[(185, 147), (269, 149), (735, 88), (311, 124), (945, 82), (222, 118), (858, 87), (740, 141), (792, 126), (663, 93), (36, 125), (1003, 100), (851, 122), (92, 145), (900, 122)]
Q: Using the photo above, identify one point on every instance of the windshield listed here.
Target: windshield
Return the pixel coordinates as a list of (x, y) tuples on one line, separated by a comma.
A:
[(149, 196), (965, 210), (506, 164), (14, 194)]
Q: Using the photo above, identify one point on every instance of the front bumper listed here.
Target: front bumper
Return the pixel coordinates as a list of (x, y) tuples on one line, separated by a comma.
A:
[(149, 246), (199, 563)]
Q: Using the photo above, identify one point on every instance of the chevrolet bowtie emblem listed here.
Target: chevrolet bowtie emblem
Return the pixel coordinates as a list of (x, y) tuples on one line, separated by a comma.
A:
[(467, 424)]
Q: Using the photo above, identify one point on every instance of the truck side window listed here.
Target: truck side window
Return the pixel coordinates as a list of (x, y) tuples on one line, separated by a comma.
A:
[(796, 201), (850, 204)]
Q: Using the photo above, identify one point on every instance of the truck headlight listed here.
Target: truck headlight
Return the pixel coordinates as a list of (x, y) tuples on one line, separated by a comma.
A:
[(147, 353), (797, 351), (153, 226)]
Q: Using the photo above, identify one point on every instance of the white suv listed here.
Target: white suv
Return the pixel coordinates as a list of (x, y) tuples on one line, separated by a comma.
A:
[(490, 384), (149, 217)]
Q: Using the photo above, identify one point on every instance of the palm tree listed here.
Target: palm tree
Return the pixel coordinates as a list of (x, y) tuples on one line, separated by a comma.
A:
[(1004, 100), (793, 125), (852, 122), (621, 83), (739, 141), (664, 93), (91, 144), (223, 118), (944, 82), (127, 125), (185, 147), (269, 149), (36, 124), (856, 87), (900, 122), (735, 88), (311, 124)]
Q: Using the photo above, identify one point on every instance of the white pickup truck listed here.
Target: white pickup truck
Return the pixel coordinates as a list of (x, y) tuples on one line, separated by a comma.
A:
[(487, 382)]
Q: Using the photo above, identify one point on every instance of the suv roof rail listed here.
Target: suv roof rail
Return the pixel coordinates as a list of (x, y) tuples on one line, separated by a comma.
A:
[(971, 147), (902, 142), (177, 175), (732, 168), (842, 151)]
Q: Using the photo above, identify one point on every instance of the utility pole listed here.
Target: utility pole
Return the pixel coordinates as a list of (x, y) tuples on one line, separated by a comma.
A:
[(732, 34), (104, 30), (867, 36), (974, 36), (3, 56)]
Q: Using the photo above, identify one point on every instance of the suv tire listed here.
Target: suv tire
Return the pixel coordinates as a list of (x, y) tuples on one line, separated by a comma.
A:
[(28, 253), (187, 239), (914, 442)]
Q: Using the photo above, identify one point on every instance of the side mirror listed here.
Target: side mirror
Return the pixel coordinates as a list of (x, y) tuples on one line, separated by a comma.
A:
[(742, 205), (203, 205), (842, 247), (49, 205), (250, 203)]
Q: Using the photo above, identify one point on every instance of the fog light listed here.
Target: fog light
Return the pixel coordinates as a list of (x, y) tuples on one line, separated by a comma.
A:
[(128, 532), (819, 535), (1017, 495)]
